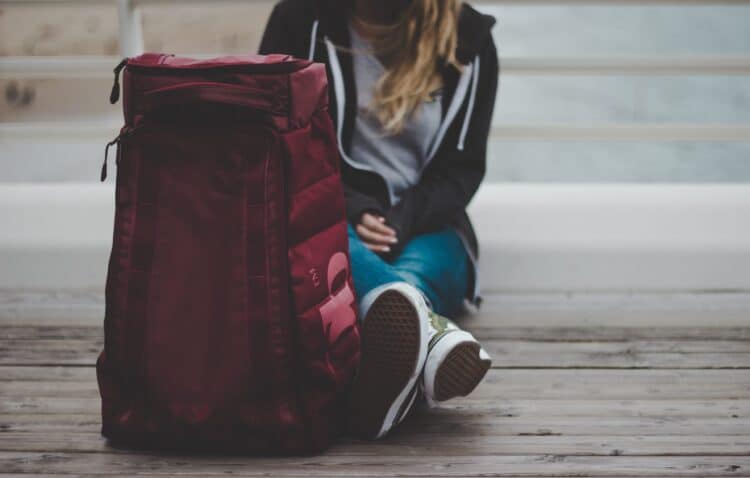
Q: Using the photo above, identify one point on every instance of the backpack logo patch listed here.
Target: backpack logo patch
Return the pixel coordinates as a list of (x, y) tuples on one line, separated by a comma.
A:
[(315, 277), (338, 312)]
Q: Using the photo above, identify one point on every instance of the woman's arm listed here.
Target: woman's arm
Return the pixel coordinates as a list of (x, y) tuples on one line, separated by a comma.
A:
[(449, 184), (285, 32), (359, 203)]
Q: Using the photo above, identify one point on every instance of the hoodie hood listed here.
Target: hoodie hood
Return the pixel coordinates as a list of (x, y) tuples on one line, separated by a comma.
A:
[(473, 26), (473, 30)]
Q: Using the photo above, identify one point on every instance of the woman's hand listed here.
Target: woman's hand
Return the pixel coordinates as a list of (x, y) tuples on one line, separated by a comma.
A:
[(375, 235)]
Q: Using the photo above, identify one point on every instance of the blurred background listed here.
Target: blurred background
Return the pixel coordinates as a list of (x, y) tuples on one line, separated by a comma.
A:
[(619, 156)]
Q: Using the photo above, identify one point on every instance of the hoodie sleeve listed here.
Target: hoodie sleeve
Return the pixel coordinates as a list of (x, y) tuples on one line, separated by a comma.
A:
[(451, 181), (358, 203)]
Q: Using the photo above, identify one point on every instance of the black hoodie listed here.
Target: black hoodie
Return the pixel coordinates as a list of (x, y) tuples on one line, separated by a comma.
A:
[(311, 29)]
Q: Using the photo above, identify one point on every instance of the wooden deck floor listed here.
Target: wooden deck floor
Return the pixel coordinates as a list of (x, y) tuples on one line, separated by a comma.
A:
[(605, 392)]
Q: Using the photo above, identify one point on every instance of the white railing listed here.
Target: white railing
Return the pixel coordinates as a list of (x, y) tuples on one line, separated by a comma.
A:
[(83, 130), (131, 43), (101, 66)]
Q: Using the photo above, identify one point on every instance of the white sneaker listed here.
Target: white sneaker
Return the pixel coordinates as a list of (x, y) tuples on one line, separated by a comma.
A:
[(395, 336), (456, 363)]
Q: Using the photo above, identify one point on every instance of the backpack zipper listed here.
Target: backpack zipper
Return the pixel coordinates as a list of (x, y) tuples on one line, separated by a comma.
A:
[(129, 130)]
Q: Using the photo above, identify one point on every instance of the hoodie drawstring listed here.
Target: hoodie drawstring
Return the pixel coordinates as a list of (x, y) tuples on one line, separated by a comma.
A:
[(313, 35), (470, 106)]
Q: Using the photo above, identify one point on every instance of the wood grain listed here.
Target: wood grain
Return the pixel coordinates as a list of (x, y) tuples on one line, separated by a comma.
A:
[(567, 396), (507, 383), (402, 443)]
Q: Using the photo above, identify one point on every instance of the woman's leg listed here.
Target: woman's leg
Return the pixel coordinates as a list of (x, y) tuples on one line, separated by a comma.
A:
[(368, 269), (436, 264), (395, 335), (402, 337)]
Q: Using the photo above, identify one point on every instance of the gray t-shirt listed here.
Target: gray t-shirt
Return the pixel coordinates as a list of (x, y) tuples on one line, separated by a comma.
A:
[(400, 157)]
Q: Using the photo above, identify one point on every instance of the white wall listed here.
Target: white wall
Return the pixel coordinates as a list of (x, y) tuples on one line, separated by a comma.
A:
[(614, 237), (535, 237)]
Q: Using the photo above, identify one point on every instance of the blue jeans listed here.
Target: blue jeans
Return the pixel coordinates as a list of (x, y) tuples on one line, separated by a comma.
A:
[(435, 263)]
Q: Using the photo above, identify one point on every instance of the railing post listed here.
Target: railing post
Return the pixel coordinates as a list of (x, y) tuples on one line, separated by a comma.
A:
[(131, 32)]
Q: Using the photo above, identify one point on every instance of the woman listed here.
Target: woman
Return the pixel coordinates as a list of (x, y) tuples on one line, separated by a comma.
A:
[(412, 88)]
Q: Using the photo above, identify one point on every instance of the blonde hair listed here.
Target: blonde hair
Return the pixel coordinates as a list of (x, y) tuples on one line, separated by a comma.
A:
[(412, 50)]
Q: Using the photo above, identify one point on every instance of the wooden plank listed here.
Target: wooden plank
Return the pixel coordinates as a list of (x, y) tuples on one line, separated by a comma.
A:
[(386, 472), (68, 349), (459, 423), (500, 383), (529, 326), (465, 418), (608, 333), (48, 405), (625, 354), (485, 330), (47, 373), (483, 327), (520, 408), (615, 384), (59, 328), (482, 330), (51, 332), (382, 474), (405, 444), (374, 465), (50, 351)]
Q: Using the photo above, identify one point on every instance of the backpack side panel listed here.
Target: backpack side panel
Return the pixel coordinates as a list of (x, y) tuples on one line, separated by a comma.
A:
[(322, 288)]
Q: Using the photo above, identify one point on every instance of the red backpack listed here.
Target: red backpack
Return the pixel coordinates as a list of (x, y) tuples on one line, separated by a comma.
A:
[(230, 314)]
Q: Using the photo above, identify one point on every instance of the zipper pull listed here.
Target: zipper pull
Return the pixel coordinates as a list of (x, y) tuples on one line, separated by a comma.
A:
[(124, 132), (114, 95), (103, 174)]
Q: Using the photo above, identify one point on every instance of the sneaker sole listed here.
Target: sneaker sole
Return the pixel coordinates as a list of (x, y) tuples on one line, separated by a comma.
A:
[(391, 346), (460, 372)]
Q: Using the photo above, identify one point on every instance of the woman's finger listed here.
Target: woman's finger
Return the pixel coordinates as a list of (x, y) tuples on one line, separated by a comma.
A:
[(376, 223), (368, 235), (376, 247)]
